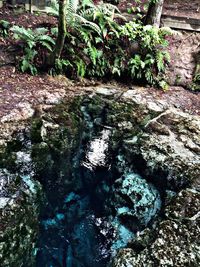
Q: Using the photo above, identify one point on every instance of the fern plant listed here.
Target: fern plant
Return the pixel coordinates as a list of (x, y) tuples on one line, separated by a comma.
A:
[(32, 38), (4, 28), (97, 45), (136, 65), (104, 15), (149, 62), (27, 61), (162, 57), (73, 18), (32, 41)]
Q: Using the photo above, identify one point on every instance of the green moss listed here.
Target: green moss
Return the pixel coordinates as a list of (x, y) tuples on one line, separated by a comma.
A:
[(36, 130), (8, 155), (20, 221)]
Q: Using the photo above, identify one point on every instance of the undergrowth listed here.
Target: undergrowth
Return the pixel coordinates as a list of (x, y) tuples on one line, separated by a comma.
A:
[(99, 43)]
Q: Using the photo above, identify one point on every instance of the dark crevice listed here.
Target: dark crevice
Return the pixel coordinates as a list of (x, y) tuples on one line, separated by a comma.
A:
[(86, 217)]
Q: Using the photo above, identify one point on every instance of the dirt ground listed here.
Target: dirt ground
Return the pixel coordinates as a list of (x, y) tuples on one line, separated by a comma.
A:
[(181, 8), (188, 9), (17, 89)]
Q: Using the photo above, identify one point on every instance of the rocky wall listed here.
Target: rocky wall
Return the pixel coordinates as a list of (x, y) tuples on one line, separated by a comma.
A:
[(184, 49), (160, 143), (26, 158), (163, 145)]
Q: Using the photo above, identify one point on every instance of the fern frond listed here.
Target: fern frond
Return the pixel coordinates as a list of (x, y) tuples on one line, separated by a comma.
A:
[(167, 56), (88, 23), (47, 45), (92, 52), (40, 31), (72, 6), (53, 9), (108, 8), (160, 61), (46, 38), (4, 23), (22, 33), (54, 31), (81, 67)]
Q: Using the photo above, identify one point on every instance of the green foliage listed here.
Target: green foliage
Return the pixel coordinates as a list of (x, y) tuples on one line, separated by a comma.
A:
[(27, 60), (73, 18), (32, 38), (136, 65), (150, 61), (196, 80), (81, 67), (61, 64), (32, 42), (99, 43), (4, 28)]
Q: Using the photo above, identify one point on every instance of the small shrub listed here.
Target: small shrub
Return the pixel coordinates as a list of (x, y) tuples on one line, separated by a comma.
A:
[(4, 28), (32, 42), (98, 44)]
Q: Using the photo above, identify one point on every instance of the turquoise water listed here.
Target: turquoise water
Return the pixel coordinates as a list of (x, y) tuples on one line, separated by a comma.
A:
[(100, 213), (73, 234), (75, 230)]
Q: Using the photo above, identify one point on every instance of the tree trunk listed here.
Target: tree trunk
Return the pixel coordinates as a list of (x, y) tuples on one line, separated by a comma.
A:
[(154, 13), (61, 34)]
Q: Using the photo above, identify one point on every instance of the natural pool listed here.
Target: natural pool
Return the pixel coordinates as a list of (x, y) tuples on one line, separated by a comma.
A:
[(100, 214), (76, 173), (87, 205), (72, 231)]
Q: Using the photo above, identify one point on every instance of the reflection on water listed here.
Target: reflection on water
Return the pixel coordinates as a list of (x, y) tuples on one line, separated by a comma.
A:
[(96, 152)]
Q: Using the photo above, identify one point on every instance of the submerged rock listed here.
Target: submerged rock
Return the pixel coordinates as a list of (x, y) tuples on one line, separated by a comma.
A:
[(135, 199), (173, 242), (136, 202)]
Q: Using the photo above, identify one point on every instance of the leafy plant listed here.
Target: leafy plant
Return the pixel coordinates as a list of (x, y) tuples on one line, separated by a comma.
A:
[(136, 65), (4, 28), (32, 38), (27, 60), (99, 43), (150, 60), (61, 64), (73, 18), (32, 42), (81, 67)]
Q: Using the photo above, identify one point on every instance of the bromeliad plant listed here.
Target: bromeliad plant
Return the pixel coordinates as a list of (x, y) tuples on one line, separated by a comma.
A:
[(34, 44)]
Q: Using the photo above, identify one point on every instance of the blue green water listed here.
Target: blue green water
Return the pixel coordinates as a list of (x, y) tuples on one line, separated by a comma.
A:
[(71, 235), (75, 229), (100, 213)]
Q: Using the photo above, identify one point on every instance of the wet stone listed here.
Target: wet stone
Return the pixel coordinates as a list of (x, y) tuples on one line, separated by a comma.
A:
[(115, 178)]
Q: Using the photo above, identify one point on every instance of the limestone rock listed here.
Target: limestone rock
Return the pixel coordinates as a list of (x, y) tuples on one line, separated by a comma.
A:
[(175, 241), (165, 138), (19, 207), (135, 199)]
